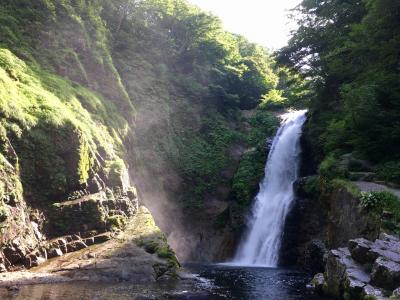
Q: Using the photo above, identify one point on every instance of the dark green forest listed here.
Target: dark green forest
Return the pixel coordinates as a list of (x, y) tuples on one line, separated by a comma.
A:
[(350, 51)]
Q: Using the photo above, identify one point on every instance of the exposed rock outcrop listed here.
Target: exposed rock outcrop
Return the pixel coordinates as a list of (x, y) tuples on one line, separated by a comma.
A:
[(100, 211), (347, 219), (123, 258), (19, 225), (363, 270), (15, 255), (325, 215), (304, 235), (71, 225)]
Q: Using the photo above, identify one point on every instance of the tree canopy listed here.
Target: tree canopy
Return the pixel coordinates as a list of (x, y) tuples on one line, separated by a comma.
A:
[(350, 49)]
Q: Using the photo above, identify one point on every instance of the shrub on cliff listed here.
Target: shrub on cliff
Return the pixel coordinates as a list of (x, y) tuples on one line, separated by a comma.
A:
[(386, 206), (330, 168)]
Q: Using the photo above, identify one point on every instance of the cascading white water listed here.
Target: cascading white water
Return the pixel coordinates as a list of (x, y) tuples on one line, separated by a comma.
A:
[(260, 246)]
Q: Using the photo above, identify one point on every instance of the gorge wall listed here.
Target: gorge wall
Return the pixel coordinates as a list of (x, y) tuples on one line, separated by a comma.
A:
[(99, 96)]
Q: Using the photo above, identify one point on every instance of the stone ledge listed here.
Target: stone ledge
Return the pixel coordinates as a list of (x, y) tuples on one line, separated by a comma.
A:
[(363, 270)]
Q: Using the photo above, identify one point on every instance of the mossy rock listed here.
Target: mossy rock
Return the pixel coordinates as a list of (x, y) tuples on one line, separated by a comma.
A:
[(116, 222), (116, 170), (4, 213), (160, 248)]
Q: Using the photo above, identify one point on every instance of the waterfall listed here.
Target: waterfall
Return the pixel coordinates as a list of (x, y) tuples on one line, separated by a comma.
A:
[(261, 244)]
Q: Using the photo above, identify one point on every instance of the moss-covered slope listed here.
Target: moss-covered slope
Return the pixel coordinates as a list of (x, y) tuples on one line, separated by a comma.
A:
[(92, 89)]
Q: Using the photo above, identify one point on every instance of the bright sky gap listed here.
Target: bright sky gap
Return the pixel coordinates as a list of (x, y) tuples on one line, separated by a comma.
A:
[(262, 21)]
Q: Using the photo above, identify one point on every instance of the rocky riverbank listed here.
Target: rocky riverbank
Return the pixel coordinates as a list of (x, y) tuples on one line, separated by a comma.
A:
[(138, 254), (334, 231), (362, 270)]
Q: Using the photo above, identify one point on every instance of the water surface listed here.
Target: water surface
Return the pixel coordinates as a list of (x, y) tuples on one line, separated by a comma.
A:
[(237, 282), (215, 282)]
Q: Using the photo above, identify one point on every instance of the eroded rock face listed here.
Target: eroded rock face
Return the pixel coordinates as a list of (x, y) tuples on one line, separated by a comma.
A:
[(98, 211), (343, 274), (347, 219), (19, 235), (85, 221), (385, 273), (325, 216), (363, 269), (359, 250), (305, 226), (74, 225)]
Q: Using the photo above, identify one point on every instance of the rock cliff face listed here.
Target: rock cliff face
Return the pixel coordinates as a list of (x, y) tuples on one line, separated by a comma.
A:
[(347, 218), (330, 232), (138, 254), (86, 105), (20, 232), (64, 185), (31, 234), (304, 240), (326, 215)]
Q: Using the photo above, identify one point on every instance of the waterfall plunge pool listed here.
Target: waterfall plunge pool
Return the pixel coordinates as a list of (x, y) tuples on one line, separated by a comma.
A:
[(216, 281), (237, 280), (256, 283)]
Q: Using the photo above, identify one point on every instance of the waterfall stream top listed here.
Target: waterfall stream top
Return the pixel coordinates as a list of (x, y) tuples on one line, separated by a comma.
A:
[(261, 243)]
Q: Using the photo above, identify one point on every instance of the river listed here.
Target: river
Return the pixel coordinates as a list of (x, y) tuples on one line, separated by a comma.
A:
[(213, 282)]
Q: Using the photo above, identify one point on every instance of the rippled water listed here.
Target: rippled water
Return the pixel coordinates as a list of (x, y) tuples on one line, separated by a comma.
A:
[(257, 283), (216, 282)]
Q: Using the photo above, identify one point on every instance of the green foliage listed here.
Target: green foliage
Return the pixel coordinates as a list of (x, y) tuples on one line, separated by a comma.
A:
[(385, 205), (247, 177), (116, 222), (251, 167), (194, 50), (85, 162), (389, 171), (312, 187), (262, 126), (161, 249), (115, 170), (348, 185), (150, 247), (165, 253), (53, 134), (273, 100), (201, 157), (297, 90), (377, 201), (330, 169), (372, 201), (349, 51), (67, 127)]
